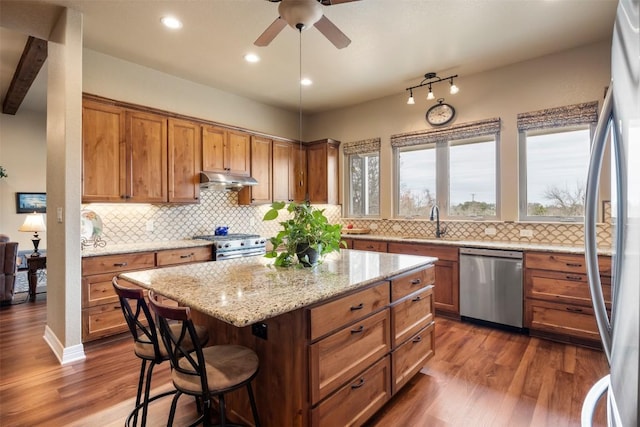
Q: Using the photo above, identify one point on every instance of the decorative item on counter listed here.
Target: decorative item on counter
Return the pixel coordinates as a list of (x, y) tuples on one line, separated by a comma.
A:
[(221, 230), (308, 235), (352, 230), (91, 229)]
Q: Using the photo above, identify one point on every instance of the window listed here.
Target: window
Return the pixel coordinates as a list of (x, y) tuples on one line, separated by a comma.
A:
[(553, 173), (454, 167), (554, 157), (363, 184), (364, 190)]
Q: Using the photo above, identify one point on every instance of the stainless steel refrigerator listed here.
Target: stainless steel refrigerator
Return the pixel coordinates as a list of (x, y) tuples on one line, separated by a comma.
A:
[(619, 125)]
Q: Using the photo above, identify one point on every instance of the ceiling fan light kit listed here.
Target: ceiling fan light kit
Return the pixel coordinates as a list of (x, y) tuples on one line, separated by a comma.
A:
[(429, 80), (302, 14)]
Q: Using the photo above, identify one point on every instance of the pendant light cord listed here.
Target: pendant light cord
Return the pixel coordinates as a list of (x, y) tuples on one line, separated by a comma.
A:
[(301, 182)]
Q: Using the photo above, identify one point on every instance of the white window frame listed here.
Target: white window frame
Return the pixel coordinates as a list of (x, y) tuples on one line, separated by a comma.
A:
[(523, 200), (442, 196), (349, 207)]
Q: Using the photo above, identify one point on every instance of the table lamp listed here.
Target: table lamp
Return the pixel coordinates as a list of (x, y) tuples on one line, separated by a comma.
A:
[(34, 223)]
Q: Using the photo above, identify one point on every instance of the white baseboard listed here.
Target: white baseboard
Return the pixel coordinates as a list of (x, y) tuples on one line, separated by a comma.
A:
[(64, 355)]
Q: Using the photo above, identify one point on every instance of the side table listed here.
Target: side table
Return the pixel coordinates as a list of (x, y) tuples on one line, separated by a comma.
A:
[(34, 264)]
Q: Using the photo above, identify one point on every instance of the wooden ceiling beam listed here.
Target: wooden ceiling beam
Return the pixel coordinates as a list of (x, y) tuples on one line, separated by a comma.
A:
[(31, 61)]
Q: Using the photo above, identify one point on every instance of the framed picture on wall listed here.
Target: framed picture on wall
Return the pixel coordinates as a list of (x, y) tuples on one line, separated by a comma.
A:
[(31, 202)]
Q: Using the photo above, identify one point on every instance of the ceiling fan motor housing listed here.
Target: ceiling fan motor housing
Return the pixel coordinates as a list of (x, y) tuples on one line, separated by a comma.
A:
[(300, 12)]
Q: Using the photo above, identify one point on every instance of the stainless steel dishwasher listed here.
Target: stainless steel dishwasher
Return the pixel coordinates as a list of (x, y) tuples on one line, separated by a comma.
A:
[(491, 286)]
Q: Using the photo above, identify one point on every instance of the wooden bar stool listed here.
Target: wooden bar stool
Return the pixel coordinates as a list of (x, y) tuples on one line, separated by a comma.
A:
[(147, 344), (204, 372)]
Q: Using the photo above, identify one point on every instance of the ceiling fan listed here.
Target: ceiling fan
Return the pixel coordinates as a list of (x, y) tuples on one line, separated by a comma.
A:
[(302, 14)]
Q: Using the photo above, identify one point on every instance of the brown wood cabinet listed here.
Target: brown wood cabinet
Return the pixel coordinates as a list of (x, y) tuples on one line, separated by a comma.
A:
[(289, 180), (104, 165), (101, 312), (369, 245), (261, 162), (557, 297), (335, 363), (447, 289), (184, 161), (322, 164), (226, 151)]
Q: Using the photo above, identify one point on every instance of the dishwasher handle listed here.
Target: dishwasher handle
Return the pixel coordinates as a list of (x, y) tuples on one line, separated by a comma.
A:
[(494, 253)]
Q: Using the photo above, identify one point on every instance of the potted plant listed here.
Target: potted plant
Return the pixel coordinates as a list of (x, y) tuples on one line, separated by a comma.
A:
[(307, 235)]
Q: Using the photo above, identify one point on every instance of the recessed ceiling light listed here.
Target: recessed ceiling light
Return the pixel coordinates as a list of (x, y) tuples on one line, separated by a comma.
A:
[(171, 22), (251, 57), (306, 82)]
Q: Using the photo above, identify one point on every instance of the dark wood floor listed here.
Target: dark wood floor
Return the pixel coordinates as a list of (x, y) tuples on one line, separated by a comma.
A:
[(479, 377)]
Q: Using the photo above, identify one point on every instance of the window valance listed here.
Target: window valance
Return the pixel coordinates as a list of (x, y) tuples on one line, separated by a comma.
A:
[(568, 115), (362, 146), (461, 131)]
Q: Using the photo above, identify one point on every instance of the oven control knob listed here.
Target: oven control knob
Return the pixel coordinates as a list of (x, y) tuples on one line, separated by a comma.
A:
[(226, 245), (241, 243)]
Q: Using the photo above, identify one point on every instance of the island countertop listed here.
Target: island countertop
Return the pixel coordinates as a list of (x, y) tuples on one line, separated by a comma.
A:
[(244, 291)]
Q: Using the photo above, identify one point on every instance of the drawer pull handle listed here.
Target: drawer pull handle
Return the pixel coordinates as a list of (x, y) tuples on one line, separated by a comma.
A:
[(186, 256), (370, 247), (357, 307), (574, 310), (117, 307), (574, 278), (359, 384), (416, 299), (569, 264), (357, 331), (120, 264), (417, 339), (416, 281)]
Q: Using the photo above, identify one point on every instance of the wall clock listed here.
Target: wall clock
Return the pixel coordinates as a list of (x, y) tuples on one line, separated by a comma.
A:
[(440, 114)]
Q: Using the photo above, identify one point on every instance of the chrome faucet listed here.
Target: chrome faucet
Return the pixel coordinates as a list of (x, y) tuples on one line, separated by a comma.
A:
[(435, 213)]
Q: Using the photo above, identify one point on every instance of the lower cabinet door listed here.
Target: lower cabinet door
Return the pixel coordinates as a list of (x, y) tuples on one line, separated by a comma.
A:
[(411, 356), (102, 321), (566, 319), (358, 400)]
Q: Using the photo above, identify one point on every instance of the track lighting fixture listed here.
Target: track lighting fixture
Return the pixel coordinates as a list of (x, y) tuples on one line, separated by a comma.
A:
[(429, 80)]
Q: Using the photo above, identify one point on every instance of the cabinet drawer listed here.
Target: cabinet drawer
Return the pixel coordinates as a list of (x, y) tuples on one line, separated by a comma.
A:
[(340, 356), (183, 256), (569, 288), (405, 284), (570, 320), (358, 400), (571, 263), (370, 245), (118, 263), (336, 314), (411, 356), (442, 252), (411, 314), (102, 321)]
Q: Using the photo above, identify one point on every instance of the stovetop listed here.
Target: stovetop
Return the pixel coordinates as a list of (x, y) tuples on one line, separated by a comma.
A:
[(228, 237)]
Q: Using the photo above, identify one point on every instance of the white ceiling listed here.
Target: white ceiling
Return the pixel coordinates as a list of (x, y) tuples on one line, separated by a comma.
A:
[(394, 43)]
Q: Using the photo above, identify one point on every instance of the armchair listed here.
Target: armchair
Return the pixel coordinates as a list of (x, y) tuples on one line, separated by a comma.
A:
[(8, 256)]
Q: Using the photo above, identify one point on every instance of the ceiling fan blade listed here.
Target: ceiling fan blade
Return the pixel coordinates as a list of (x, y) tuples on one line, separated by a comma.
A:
[(271, 32), (333, 33), (330, 2)]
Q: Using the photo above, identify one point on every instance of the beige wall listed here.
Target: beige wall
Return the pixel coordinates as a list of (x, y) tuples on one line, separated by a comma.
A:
[(23, 153), (574, 76)]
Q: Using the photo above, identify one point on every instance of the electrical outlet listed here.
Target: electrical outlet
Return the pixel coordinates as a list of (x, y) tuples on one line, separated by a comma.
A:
[(526, 233), (59, 215), (252, 222), (259, 330), (490, 231), (150, 225), (397, 228)]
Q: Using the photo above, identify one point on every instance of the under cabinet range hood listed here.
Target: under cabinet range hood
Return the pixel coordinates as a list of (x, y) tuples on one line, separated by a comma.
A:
[(217, 181)]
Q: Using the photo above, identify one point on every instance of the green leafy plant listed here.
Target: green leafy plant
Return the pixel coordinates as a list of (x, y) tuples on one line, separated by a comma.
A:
[(308, 227), (3, 172)]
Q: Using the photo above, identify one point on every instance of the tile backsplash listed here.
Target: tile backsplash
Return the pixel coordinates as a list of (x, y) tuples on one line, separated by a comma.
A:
[(133, 223)]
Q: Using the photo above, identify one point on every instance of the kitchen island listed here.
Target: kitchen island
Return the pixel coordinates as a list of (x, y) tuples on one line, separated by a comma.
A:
[(335, 342)]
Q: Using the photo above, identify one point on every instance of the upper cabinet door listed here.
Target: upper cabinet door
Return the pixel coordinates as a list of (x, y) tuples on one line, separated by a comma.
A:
[(147, 157), (103, 153), (322, 158), (184, 161), (281, 171), (238, 153), (261, 163), (213, 142), (298, 173)]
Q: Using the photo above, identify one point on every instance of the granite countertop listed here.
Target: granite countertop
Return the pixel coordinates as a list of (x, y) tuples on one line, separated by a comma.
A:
[(111, 249), (511, 246), (244, 291)]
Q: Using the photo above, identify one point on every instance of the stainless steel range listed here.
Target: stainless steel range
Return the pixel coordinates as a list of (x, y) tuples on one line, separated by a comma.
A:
[(235, 245)]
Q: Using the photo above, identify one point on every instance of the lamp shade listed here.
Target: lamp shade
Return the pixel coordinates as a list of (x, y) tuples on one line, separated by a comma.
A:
[(34, 222)]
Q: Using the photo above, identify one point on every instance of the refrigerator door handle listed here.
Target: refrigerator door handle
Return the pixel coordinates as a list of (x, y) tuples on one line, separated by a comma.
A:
[(590, 216), (591, 401)]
